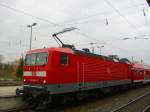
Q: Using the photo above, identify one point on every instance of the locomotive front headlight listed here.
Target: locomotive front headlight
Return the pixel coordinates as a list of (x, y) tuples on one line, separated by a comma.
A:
[(24, 80), (41, 73), (44, 81), (27, 73)]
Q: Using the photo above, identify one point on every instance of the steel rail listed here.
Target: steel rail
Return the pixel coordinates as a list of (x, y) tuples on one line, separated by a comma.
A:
[(9, 96), (15, 109), (147, 109), (10, 83), (131, 102)]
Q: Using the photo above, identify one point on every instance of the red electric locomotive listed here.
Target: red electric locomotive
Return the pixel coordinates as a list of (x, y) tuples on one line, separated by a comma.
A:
[(65, 73)]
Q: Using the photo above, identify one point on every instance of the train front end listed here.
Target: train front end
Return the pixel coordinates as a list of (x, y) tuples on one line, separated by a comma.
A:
[(35, 75)]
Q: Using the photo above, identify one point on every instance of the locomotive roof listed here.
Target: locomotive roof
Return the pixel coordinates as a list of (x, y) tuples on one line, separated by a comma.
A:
[(140, 66), (66, 50), (91, 54), (70, 51)]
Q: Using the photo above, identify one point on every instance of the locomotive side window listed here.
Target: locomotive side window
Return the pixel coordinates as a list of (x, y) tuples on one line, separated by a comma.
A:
[(64, 59)]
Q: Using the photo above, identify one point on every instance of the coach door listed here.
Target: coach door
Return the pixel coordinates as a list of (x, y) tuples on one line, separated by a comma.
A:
[(80, 74)]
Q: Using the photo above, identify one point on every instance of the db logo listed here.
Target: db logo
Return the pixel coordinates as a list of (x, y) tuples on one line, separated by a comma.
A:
[(108, 70)]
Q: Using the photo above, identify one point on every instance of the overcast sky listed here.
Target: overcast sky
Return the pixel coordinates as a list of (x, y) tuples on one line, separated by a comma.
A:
[(105, 22)]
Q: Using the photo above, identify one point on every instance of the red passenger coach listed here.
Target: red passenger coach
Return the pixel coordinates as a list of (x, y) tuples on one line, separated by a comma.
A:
[(140, 72)]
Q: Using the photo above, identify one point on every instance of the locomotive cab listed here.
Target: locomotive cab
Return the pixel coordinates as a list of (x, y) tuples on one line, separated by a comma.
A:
[(44, 66), (36, 68)]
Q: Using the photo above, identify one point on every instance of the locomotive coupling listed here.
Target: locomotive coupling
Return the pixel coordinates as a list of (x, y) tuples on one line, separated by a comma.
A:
[(19, 91)]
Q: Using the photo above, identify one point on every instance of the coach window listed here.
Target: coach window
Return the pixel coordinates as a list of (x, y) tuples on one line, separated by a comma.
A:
[(64, 59)]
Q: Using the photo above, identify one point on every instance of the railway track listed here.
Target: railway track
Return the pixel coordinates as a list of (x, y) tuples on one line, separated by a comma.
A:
[(17, 110), (147, 109), (10, 83), (135, 103), (9, 96)]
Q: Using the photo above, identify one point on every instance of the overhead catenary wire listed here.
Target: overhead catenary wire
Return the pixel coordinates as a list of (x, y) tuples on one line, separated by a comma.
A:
[(28, 14), (55, 24), (121, 15), (90, 20), (79, 20), (143, 11), (25, 13)]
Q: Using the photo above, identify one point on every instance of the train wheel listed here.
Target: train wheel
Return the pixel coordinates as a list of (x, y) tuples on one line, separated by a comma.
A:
[(94, 94), (81, 95), (31, 103), (59, 99)]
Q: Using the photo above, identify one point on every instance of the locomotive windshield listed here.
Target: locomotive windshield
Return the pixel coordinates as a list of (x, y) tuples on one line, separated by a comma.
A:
[(36, 59)]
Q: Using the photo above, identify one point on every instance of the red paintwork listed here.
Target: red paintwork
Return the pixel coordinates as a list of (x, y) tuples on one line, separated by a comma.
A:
[(48, 67), (140, 71), (81, 68), (87, 69)]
